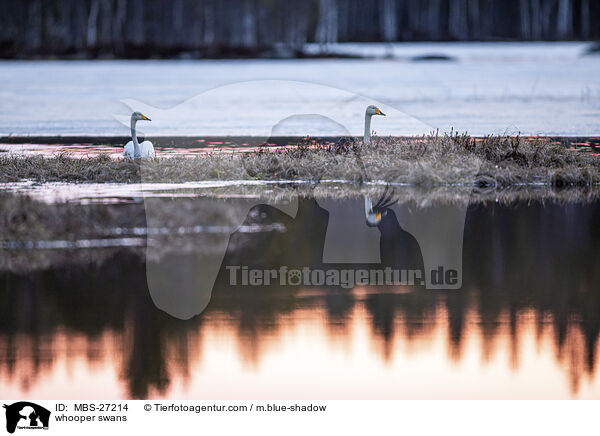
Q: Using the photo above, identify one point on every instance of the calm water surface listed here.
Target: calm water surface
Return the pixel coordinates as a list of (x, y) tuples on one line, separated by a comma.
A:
[(525, 323), (487, 88)]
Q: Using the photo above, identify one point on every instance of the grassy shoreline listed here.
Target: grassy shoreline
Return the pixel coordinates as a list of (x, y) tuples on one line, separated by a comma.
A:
[(494, 161)]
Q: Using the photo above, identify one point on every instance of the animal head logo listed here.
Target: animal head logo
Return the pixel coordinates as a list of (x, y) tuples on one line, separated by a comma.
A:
[(26, 415)]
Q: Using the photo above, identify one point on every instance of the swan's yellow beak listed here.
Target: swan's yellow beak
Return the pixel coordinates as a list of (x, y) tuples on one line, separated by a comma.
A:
[(378, 216), (144, 117), (378, 111)]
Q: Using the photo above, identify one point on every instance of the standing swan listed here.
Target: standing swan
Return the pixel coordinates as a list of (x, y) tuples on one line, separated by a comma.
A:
[(371, 110), (133, 148)]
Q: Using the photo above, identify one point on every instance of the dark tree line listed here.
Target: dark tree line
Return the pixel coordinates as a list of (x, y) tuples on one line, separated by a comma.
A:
[(140, 28)]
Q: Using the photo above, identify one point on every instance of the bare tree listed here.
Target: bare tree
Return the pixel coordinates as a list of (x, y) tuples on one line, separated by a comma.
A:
[(564, 24), (433, 19), (135, 22), (177, 22), (525, 19), (118, 28), (457, 22), (327, 26), (548, 6), (387, 18), (209, 22), (248, 37), (92, 24), (79, 25), (537, 25), (105, 37), (34, 25), (585, 19), (474, 19)]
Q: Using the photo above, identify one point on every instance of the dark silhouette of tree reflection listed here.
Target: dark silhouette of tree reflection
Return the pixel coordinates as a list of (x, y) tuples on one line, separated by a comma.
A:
[(543, 258), (523, 265)]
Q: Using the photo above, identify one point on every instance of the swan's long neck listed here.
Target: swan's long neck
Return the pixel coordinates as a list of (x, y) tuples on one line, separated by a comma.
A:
[(368, 206), (136, 144), (367, 138)]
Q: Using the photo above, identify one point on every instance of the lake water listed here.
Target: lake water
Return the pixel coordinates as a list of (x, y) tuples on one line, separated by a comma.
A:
[(537, 88), (82, 321), (250, 289)]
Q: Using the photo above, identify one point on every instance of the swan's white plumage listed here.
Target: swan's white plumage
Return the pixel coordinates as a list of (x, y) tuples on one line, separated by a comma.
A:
[(147, 149), (133, 149), (128, 151)]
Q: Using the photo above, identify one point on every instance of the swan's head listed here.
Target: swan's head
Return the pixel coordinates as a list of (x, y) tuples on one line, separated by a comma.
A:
[(373, 214), (138, 116), (376, 213), (375, 217), (374, 110)]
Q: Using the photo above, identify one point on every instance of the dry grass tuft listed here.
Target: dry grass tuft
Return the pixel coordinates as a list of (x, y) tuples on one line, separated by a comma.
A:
[(428, 161)]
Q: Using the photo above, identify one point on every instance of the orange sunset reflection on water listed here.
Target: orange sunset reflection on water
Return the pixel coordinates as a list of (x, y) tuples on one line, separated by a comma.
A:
[(306, 354), (525, 323)]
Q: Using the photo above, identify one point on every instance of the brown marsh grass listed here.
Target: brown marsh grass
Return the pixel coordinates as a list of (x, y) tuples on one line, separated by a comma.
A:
[(427, 161)]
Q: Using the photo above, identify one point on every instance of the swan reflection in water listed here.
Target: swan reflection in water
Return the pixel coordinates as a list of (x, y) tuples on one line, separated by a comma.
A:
[(528, 310)]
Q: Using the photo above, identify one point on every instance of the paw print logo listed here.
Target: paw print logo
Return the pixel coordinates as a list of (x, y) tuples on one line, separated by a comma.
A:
[(294, 277)]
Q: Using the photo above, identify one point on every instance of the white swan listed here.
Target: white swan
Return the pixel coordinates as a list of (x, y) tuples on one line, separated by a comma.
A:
[(371, 110), (134, 149), (374, 214)]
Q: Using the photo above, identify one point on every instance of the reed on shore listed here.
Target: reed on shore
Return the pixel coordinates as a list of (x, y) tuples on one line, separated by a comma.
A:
[(427, 161)]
